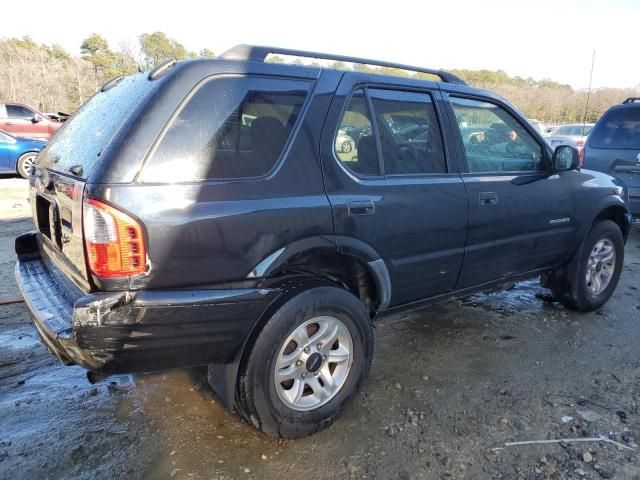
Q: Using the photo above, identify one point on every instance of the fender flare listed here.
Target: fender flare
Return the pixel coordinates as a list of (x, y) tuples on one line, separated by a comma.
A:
[(603, 204), (341, 244)]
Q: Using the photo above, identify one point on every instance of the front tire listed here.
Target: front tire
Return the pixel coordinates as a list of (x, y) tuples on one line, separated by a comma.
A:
[(307, 363), (591, 277), (26, 164)]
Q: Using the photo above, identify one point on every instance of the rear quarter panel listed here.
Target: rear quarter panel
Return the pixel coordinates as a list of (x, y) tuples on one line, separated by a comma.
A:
[(211, 232)]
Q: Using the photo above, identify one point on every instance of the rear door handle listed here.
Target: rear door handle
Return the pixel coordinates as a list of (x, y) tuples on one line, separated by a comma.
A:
[(488, 198), (361, 207)]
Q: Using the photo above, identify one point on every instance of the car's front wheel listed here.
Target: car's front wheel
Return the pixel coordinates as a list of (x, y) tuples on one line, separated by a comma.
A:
[(590, 279), (308, 361), (26, 164)]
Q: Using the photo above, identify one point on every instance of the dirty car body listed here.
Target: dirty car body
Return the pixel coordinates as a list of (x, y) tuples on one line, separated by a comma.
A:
[(212, 248)]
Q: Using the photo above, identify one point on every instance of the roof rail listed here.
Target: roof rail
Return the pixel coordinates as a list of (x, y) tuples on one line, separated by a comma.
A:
[(632, 100), (259, 54)]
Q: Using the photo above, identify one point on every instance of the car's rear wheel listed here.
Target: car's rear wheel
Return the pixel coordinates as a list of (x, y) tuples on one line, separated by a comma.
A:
[(26, 164), (306, 364), (346, 146), (591, 277)]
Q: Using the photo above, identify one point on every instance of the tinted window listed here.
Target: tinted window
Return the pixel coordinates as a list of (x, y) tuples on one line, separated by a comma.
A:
[(494, 141), (355, 144), (573, 130), (82, 137), (618, 128), (232, 127), (410, 136), (18, 112)]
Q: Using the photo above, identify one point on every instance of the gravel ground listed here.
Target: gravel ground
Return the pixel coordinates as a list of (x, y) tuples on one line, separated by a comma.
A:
[(449, 386)]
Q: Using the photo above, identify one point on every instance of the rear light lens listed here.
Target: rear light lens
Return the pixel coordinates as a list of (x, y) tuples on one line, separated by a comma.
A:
[(581, 153), (579, 143), (114, 243)]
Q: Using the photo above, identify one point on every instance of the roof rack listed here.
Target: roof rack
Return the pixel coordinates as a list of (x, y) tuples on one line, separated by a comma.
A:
[(632, 100), (259, 54)]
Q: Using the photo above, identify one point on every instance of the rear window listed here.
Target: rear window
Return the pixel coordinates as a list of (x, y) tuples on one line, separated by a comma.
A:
[(618, 129), (89, 130), (232, 127), (573, 130)]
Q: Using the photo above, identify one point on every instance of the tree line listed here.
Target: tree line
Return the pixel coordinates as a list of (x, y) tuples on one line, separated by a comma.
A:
[(51, 79)]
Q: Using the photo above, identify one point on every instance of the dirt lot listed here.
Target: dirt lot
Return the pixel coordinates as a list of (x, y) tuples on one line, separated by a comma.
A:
[(449, 386)]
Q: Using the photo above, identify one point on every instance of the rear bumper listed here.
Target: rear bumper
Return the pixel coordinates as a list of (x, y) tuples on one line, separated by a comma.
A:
[(135, 331)]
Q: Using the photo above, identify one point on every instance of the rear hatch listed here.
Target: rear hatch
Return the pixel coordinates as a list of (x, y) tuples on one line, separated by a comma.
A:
[(69, 162)]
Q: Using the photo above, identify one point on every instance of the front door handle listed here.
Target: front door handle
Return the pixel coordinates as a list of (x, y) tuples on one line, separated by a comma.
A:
[(361, 207), (488, 198)]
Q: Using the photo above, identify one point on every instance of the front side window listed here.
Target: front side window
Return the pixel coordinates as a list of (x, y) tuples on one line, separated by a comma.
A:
[(18, 112), (617, 129), (494, 141), (410, 136), (232, 127)]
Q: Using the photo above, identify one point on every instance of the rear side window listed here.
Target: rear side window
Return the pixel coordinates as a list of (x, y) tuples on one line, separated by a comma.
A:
[(232, 127), (410, 136), (355, 144), (19, 113), (618, 129)]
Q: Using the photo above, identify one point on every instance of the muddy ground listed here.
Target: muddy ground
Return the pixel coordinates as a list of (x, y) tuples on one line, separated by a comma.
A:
[(448, 387)]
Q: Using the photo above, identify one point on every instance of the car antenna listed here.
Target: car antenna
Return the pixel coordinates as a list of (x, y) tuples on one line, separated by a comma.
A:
[(586, 108)]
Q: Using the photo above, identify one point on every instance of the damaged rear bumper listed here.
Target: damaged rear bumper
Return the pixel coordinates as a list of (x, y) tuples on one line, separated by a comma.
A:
[(136, 331)]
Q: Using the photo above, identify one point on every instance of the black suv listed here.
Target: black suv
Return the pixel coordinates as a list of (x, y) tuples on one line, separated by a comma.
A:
[(200, 214), (613, 147)]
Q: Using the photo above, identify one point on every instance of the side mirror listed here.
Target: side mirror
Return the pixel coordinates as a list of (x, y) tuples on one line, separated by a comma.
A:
[(565, 158), (36, 118)]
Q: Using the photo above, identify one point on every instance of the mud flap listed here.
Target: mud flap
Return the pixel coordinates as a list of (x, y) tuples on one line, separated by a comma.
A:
[(222, 378)]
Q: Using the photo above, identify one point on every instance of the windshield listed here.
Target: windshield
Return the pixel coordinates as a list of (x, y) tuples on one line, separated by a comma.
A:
[(89, 130)]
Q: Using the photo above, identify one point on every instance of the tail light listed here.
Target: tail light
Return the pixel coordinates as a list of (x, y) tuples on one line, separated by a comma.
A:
[(579, 143), (114, 242), (581, 153)]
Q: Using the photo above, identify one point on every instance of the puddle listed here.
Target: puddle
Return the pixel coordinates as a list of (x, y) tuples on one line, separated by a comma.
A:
[(19, 338)]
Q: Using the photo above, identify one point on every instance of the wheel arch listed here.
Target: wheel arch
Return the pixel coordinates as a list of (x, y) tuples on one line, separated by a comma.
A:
[(297, 266), (17, 160), (610, 208)]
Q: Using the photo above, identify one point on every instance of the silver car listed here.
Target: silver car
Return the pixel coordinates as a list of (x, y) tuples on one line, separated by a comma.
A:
[(574, 135)]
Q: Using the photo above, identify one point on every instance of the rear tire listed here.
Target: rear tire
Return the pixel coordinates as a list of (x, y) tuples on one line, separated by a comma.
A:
[(290, 345), (26, 164), (591, 277)]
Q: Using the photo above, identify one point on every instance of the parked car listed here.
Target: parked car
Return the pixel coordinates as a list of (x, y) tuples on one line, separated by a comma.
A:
[(344, 143), (25, 121), (156, 249), (614, 147), (573, 135), (538, 125), (17, 154)]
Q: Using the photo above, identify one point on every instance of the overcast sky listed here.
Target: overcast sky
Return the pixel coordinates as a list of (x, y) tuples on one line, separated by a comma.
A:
[(538, 38)]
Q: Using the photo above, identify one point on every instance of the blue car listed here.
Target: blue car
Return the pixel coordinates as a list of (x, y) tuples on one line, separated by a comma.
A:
[(18, 154)]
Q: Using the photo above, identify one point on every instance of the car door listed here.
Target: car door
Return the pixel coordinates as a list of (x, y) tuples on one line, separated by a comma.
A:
[(5, 149), (20, 122), (396, 190), (521, 217)]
